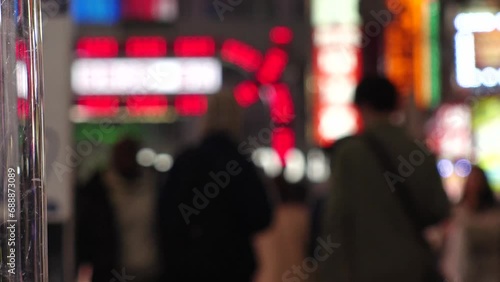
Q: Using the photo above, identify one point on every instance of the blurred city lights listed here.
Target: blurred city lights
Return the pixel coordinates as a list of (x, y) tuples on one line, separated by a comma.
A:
[(281, 104), (96, 11), (191, 105), (146, 157), (143, 46), (163, 162), (132, 76), (318, 166), (97, 47), (150, 10), (295, 166), (194, 46), (445, 168), (273, 66), (269, 160), (474, 43), (103, 106), (241, 54), (463, 168), (246, 93), (476, 22), (338, 122), (147, 105), (281, 35), (283, 140)]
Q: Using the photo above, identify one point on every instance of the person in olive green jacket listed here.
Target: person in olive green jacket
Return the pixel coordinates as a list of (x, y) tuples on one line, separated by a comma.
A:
[(378, 239)]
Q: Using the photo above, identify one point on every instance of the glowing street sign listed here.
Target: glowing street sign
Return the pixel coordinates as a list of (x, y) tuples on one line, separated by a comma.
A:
[(336, 57), (412, 51), (337, 40), (130, 76), (476, 49)]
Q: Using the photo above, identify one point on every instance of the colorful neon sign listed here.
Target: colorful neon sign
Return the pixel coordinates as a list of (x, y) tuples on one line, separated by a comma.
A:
[(412, 52)]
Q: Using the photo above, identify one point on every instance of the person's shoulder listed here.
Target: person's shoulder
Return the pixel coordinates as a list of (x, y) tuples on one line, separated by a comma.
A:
[(346, 145)]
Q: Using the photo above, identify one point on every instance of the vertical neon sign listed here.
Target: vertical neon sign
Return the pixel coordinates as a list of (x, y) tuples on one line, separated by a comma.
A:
[(412, 50), (336, 68)]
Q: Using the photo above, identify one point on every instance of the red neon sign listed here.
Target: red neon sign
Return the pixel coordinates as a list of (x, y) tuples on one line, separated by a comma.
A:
[(273, 66), (246, 94), (141, 47), (241, 54), (194, 46), (97, 47), (191, 105)]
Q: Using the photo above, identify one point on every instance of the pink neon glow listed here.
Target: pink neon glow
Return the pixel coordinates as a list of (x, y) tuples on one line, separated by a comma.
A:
[(139, 47), (273, 66), (97, 47), (241, 54), (281, 35), (246, 93), (194, 46), (283, 140)]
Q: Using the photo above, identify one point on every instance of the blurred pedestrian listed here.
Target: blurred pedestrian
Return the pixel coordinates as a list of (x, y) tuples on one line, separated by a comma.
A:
[(115, 220), (212, 205), (385, 191), (472, 252), (478, 195)]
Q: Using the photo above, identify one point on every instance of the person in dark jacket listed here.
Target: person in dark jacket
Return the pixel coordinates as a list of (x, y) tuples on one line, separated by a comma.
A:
[(212, 205), (385, 192), (115, 220)]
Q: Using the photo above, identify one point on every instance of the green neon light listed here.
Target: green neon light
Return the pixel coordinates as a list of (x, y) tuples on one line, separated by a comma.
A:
[(435, 50)]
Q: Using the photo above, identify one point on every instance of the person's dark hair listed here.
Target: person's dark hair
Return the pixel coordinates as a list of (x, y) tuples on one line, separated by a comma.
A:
[(486, 197), (378, 93)]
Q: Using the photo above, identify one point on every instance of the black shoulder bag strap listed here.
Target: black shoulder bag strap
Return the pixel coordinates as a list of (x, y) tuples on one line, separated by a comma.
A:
[(402, 193)]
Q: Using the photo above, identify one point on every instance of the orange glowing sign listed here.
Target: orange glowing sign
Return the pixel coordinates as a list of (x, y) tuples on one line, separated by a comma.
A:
[(412, 50)]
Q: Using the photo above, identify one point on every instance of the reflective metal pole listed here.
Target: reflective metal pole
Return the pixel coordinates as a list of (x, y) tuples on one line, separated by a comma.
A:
[(23, 223)]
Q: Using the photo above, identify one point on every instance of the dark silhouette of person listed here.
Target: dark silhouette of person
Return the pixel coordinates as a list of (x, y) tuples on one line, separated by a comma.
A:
[(366, 214), (474, 226), (212, 205), (115, 219), (477, 195)]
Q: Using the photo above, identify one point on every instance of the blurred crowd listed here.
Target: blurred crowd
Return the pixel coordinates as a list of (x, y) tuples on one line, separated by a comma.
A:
[(215, 217)]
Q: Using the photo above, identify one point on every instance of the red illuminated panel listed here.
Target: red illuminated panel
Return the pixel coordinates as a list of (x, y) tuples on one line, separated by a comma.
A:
[(99, 105), (246, 93), (283, 140), (23, 108), (150, 10), (97, 47), (194, 46), (273, 66), (282, 108), (191, 105), (147, 105), (138, 10), (281, 35), (241, 54), (146, 47)]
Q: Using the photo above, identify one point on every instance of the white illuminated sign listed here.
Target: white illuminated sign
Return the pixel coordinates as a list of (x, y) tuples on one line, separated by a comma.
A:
[(326, 12), (131, 76), (467, 25)]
